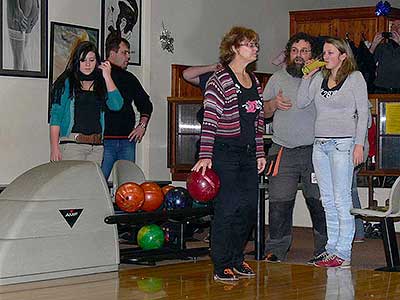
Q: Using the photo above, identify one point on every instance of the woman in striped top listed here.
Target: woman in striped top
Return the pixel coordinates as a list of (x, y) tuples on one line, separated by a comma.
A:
[(231, 142)]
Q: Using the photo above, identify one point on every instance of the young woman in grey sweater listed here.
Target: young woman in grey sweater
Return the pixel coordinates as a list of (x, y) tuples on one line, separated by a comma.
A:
[(341, 100)]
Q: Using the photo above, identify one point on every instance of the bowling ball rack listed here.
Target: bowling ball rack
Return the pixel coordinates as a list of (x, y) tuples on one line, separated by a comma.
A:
[(178, 250)]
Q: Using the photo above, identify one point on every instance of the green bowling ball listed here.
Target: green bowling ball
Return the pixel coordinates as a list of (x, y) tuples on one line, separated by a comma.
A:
[(150, 284), (150, 237)]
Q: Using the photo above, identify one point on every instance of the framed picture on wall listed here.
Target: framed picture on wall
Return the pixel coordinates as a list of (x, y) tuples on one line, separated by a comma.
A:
[(123, 17), (63, 39), (23, 38)]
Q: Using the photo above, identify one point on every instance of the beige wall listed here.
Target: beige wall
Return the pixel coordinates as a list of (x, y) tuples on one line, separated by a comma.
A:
[(197, 26)]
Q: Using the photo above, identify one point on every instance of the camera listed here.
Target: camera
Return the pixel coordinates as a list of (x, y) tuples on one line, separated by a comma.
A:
[(386, 35)]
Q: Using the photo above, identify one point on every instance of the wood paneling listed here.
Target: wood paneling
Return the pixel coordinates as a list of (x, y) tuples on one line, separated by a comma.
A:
[(179, 86), (341, 21)]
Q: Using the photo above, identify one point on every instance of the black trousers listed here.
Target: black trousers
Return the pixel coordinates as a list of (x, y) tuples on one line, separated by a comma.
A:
[(236, 204)]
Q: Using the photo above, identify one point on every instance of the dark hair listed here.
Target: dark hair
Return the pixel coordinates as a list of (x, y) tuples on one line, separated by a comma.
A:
[(297, 38), (113, 41), (233, 38), (71, 73)]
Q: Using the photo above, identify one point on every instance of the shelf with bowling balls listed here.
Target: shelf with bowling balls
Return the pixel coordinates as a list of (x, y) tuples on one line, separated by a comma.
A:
[(200, 189), (150, 208)]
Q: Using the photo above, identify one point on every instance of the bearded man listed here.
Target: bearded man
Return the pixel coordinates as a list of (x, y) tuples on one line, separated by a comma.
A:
[(290, 156)]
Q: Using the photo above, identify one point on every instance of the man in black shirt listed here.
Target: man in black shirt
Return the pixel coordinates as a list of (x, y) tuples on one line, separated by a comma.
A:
[(121, 134)]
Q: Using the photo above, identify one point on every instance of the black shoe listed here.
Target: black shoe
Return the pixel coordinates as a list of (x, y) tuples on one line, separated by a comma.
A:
[(226, 275), (318, 258), (272, 258), (244, 269)]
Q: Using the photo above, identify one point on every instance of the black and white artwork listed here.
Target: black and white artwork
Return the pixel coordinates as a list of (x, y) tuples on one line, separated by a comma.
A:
[(23, 38), (123, 17)]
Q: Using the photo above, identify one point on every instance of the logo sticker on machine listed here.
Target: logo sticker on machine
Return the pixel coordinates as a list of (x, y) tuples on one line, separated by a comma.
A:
[(71, 215)]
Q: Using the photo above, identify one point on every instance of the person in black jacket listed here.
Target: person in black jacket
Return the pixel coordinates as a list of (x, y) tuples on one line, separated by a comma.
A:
[(386, 50), (121, 133)]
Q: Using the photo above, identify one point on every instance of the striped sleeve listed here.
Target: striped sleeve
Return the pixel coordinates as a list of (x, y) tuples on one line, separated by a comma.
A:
[(213, 108), (260, 125)]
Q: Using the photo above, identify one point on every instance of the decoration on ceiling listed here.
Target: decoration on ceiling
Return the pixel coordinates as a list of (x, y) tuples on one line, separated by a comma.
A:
[(382, 8), (166, 39)]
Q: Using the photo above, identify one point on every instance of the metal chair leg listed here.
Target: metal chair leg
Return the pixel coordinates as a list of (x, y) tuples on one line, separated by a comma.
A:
[(390, 246)]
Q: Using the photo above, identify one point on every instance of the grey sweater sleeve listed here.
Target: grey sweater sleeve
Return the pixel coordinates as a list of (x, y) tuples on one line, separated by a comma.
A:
[(307, 90), (361, 98)]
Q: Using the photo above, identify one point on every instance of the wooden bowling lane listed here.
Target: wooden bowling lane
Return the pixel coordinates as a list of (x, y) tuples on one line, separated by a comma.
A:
[(193, 280)]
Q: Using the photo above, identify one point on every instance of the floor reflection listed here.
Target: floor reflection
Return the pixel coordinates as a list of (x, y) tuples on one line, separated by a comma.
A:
[(193, 280), (339, 284)]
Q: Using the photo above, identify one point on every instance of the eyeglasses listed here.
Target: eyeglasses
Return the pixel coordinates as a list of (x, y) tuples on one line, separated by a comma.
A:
[(124, 52), (301, 51), (250, 45)]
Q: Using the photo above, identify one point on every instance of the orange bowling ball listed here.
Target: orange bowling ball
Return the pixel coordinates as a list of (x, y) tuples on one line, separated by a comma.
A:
[(153, 196), (129, 197), (165, 189)]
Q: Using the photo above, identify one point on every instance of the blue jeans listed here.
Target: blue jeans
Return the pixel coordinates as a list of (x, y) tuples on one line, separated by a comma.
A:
[(116, 149), (356, 204), (333, 165)]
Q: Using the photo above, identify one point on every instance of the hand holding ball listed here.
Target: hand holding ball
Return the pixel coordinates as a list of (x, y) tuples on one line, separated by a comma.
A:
[(203, 188)]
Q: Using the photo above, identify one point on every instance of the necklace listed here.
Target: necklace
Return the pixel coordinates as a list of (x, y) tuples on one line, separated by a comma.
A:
[(87, 86)]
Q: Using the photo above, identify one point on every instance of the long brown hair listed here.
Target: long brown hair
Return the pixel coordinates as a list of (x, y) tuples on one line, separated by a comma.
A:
[(349, 64)]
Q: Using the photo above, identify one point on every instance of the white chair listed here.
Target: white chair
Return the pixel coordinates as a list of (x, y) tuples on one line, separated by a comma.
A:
[(387, 219)]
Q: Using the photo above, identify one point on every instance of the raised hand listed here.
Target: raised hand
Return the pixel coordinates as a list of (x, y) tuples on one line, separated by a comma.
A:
[(396, 37), (282, 102), (376, 41), (105, 68)]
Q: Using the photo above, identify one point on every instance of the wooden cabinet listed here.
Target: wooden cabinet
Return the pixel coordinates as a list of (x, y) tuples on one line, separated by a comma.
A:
[(183, 127), (183, 135), (354, 22)]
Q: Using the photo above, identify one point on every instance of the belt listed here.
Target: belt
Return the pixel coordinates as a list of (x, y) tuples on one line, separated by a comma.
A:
[(80, 138), (303, 147), (115, 137)]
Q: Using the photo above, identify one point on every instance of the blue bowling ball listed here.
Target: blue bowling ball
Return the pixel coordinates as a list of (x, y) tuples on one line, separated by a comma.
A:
[(177, 198)]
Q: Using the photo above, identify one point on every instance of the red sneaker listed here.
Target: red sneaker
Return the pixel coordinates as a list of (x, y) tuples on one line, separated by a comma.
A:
[(333, 261)]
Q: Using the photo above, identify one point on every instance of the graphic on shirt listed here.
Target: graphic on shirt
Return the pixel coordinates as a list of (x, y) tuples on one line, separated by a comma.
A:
[(251, 106), (238, 90), (327, 94)]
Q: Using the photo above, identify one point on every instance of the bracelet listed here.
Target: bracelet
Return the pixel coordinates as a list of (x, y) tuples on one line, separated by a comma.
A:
[(141, 124)]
